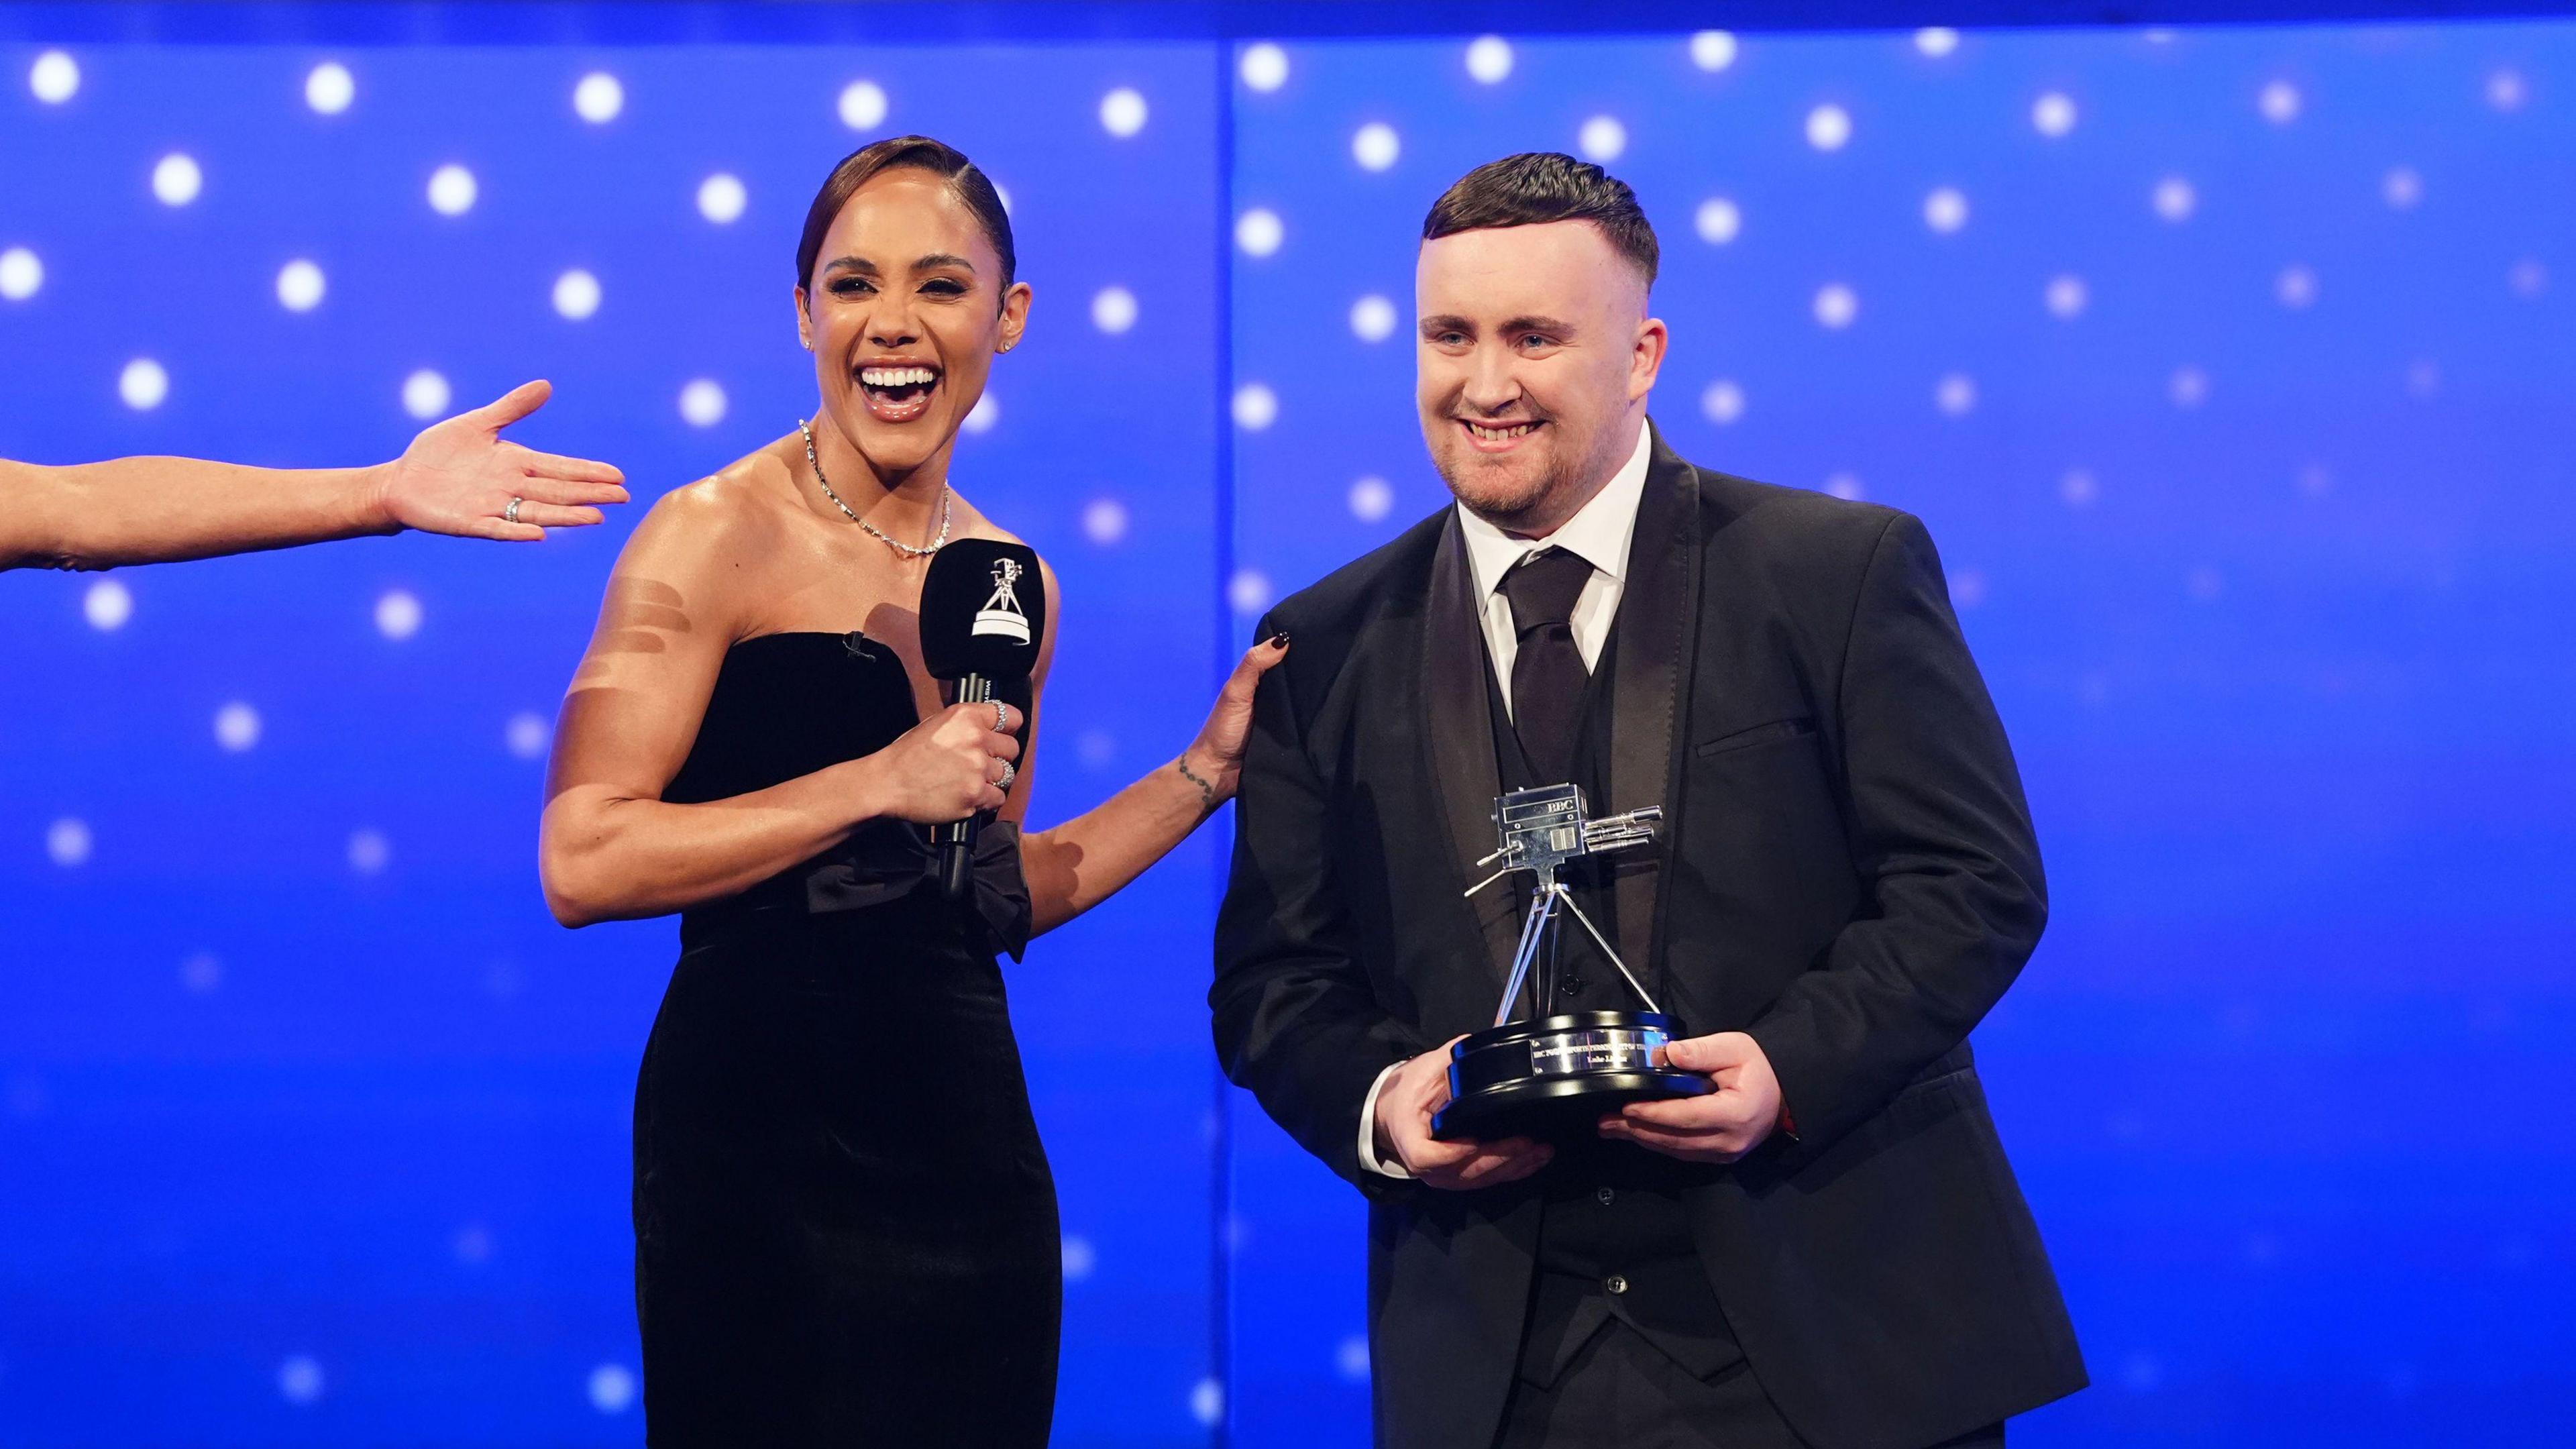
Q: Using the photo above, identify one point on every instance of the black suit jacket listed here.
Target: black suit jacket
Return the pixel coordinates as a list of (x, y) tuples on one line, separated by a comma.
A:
[(1847, 872)]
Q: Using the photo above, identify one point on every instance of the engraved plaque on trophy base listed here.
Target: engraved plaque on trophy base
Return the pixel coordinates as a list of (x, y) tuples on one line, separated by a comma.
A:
[(1554, 1078)]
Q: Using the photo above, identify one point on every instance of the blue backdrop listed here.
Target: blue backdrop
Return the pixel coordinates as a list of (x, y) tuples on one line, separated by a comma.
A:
[(2229, 366)]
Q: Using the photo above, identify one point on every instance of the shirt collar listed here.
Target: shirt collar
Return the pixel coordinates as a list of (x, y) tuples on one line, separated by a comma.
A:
[(1600, 530)]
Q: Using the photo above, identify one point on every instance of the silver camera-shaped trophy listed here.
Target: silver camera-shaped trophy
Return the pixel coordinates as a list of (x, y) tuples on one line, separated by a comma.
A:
[(1553, 1076)]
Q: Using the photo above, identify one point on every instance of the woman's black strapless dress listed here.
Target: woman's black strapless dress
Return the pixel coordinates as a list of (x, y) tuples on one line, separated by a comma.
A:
[(845, 1229)]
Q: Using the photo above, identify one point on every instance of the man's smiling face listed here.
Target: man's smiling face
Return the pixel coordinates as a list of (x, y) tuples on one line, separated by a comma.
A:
[(1533, 346)]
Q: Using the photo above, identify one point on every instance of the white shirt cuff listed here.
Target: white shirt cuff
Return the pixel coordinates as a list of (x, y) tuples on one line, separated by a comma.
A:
[(1368, 1130)]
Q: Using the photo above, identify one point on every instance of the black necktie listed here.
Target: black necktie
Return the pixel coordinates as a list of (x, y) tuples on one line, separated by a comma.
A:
[(1547, 669)]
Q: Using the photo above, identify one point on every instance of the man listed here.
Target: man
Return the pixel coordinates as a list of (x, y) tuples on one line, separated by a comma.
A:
[(1828, 1248), (457, 477)]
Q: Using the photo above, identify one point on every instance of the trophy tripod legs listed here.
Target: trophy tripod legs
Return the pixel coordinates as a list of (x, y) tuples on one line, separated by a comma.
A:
[(1533, 935)]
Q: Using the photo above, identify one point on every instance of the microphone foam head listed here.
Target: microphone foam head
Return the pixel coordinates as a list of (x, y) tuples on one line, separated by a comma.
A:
[(983, 610)]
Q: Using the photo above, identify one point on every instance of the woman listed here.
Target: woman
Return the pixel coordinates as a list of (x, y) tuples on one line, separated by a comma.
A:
[(845, 1227)]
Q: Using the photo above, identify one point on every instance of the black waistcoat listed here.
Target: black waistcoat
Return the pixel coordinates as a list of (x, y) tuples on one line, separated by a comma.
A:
[(1614, 1238)]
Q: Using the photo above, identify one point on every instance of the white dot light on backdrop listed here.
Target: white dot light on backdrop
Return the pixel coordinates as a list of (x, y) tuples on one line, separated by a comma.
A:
[(2053, 114), (2316, 480), (21, 274), (598, 97), (2528, 277), (1264, 66), (425, 394), (398, 614), (1095, 748), (2280, 102), (2506, 90), (1372, 318), (1249, 591), (1489, 58), (1722, 402), (1003, 193), (1843, 485), (576, 295), (1351, 1360), (1829, 127), (299, 1379), (1956, 394), (1936, 41), (143, 384), (980, 418), (107, 605), (1258, 232), (1113, 309), (1371, 499), (1079, 1258), (2078, 488), (472, 1245), (300, 286), (721, 198), (1718, 220), (2296, 286), (177, 179), (369, 852), (1104, 521), (1207, 1402), (1967, 588), (54, 78), (2402, 187), (2203, 583), (329, 88), (1946, 209), (702, 403), (202, 972), (863, 105), (2174, 199), (1602, 139), (1712, 50), (1122, 111), (67, 841), (236, 726), (2188, 387), (452, 190), (1836, 305), (2066, 296), (527, 734), (1375, 146), (612, 1388), (1255, 407), (2423, 378)]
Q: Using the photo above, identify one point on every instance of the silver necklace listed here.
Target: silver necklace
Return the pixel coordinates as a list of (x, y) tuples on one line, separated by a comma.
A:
[(889, 540)]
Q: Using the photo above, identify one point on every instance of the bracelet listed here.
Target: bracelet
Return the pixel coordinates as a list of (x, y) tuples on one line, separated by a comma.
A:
[(1207, 792)]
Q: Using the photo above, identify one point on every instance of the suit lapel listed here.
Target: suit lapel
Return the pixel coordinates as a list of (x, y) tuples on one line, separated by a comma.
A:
[(1460, 729), (1656, 633)]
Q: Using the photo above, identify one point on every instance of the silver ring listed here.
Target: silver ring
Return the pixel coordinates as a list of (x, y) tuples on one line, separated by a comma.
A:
[(1001, 717), (1010, 772), (511, 513)]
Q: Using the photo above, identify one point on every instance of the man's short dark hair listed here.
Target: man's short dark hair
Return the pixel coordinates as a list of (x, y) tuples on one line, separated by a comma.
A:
[(1544, 186)]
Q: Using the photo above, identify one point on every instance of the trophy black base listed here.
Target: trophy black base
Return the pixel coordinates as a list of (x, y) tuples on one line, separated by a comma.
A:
[(1554, 1078)]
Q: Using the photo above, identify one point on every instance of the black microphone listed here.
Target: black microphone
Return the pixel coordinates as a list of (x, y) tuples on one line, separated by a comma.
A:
[(983, 614)]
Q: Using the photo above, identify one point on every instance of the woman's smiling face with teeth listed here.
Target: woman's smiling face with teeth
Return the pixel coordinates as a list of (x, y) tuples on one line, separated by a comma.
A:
[(904, 312)]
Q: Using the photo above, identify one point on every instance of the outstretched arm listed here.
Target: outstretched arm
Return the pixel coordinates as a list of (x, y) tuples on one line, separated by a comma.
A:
[(1086, 860), (457, 477)]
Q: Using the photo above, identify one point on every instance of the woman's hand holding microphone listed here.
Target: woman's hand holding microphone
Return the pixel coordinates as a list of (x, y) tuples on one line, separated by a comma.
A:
[(949, 766)]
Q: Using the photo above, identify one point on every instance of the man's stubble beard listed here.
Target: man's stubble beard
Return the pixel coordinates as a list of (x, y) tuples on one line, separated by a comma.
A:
[(1511, 512)]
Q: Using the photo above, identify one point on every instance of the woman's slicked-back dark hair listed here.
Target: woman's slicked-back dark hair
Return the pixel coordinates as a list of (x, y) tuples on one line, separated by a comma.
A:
[(922, 154), (1543, 186)]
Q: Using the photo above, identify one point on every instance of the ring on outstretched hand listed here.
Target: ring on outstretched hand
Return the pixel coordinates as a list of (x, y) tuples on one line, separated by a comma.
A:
[(511, 513), (1001, 718), (1010, 772)]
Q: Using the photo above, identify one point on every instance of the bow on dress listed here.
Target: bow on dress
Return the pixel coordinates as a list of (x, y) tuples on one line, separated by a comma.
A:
[(887, 860)]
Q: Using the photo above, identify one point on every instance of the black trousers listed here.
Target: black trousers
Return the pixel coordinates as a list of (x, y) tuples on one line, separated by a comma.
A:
[(1621, 1392)]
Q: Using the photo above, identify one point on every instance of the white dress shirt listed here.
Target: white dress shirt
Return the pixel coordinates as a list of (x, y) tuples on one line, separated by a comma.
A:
[(1600, 531)]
